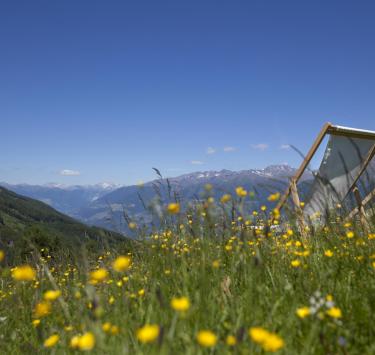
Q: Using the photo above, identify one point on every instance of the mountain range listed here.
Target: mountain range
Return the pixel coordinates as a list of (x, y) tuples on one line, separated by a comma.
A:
[(104, 205)]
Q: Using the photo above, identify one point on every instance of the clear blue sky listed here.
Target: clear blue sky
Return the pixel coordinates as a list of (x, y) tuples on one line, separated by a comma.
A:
[(109, 89)]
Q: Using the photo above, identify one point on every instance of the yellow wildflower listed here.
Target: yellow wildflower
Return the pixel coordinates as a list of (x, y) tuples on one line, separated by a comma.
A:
[(258, 334), (74, 342), (274, 197), (225, 198), (86, 342), (132, 225), (148, 333), (42, 309), (115, 329), (231, 340), (295, 263), (273, 343), (36, 322), (241, 192), (269, 341), (216, 264), (2, 255), (206, 338), (52, 295), (181, 304), (173, 208), (24, 273), (303, 312), (350, 234), (51, 341), (328, 253), (334, 312), (98, 275), (122, 263), (106, 327), (276, 213)]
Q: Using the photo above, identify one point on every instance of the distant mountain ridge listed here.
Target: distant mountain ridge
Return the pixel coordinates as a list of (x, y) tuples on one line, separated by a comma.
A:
[(108, 210), (104, 206)]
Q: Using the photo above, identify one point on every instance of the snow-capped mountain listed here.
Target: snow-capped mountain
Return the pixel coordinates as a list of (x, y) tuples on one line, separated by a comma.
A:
[(108, 210)]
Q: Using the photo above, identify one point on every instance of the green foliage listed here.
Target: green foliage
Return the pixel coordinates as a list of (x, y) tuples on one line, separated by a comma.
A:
[(237, 269), (235, 276)]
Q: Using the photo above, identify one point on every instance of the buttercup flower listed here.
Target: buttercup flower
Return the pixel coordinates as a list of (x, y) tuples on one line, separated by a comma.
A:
[(334, 312), (74, 342), (24, 273), (231, 340), (258, 334), (206, 338), (148, 333), (274, 197), (35, 322), (303, 312), (51, 341), (350, 234), (98, 275), (173, 208), (121, 264), (225, 198), (86, 342), (180, 304), (328, 253), (132, 225), (42, 309), (52, 295), (295, 263), (269, 341), (241, 192), (273, 343)]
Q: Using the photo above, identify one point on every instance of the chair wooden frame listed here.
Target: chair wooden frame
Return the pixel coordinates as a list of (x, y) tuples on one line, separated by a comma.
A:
[(330, 129)]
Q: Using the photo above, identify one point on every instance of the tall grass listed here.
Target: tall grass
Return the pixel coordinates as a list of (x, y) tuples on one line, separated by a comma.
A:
[(237, 273)]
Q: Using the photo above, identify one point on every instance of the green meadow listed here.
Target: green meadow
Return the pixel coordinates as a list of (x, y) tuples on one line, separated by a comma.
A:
[(214, 279)]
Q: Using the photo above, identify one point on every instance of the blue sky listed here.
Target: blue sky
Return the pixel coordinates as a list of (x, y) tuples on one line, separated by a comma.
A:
[(104, 90)]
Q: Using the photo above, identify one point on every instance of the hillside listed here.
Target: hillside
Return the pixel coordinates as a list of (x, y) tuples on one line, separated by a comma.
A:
[(23, 219)]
